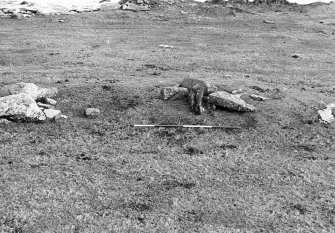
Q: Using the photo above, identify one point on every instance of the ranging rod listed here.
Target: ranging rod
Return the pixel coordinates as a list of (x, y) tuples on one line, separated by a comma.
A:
[(190, 126)]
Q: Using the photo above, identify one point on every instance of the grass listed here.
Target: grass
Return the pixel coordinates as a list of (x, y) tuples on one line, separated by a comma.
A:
[(276, 174)]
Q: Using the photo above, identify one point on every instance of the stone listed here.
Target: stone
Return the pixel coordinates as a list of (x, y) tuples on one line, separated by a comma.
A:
[(133, 7), (44, 106), (4, 122), (51, 113), (294, 55), (327, 115), (36, 92), (92, 112), (166, 46), (229, 101), (238, 91), (50, 101), (60, 118), (192, 83), (258, 97), (20, 107), (268, 21), (175, 92)]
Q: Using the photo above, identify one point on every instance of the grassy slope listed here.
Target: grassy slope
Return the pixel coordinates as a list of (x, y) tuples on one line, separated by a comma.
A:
[(276, 174)]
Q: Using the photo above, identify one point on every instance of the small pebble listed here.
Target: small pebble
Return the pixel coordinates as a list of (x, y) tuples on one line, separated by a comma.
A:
[(258, 97), (92, 112)]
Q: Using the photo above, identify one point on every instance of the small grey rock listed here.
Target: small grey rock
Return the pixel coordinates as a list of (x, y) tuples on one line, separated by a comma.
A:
[(268, 21), (51, 113), (258, 97), (229, 101), (92, 112), (175, 92), (60, 118), (238, 91)]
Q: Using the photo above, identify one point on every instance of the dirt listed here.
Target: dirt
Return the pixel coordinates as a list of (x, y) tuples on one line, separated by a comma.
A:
[(274, 174)]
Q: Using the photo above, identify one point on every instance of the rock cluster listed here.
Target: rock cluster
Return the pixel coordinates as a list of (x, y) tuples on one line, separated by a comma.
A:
[(199, 91), (18, 12), (27, 102), (135, 5), (18, 9)]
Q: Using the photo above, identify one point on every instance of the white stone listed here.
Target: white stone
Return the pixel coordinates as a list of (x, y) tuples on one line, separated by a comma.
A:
[(20, 107), (326, 115), (51, 113), (92, 112), (229, 101)]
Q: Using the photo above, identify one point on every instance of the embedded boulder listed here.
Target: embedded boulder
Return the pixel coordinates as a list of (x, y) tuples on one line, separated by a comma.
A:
[(229, 101), (20, 107)]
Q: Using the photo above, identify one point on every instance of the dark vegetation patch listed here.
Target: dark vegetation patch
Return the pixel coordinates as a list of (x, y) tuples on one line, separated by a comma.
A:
[(140, 207), (156, 67), (228, 146), (83, 157), (300, 208), (193, 216), (172, 184), (108, 98), (193, 150), (306, 147)]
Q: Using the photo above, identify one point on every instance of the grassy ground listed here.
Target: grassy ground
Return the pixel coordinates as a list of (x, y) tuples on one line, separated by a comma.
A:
[(276, 174)]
